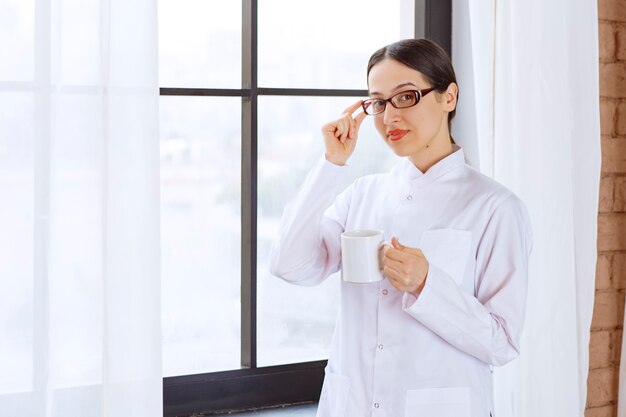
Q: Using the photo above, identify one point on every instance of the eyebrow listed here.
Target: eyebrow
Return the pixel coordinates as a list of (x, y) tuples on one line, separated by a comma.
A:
[(374, 93)]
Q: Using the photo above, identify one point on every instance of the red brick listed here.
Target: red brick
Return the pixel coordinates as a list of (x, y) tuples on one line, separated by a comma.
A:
[(618, 270), (603, 411), (613, 155), (611, 232), (614, 10), (619, 195), (620, 41), (616, 347), (606, 41), (608, 116), (607, 190), (608, 310), (602, 386), (600, 349), (613, 79), (603, 272), (620, 119)]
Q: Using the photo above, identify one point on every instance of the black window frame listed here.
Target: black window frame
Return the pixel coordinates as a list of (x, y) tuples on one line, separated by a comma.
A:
[(253, 387)]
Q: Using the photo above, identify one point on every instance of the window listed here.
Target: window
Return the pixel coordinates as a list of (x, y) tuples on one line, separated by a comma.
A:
[(245, 89)]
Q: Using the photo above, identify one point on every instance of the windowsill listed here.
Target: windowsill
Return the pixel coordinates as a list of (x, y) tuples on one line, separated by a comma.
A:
[(306, 410)]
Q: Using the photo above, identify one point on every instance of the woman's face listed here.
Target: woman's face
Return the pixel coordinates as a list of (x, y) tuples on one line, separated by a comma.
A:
[(413, 131)]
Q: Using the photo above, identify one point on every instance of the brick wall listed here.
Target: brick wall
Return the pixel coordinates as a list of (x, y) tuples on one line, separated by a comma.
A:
[(608, 314)]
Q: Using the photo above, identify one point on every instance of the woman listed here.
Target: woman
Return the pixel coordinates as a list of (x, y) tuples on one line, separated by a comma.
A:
[(423, 341)]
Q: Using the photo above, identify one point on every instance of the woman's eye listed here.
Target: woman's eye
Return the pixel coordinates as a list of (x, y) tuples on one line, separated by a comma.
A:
[(405, 97), (378, 104)]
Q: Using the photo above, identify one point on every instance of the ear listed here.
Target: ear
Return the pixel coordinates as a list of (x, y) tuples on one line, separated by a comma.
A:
[(450, 96)]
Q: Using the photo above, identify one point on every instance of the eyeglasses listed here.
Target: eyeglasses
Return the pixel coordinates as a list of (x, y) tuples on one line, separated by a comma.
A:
[(401, 100)]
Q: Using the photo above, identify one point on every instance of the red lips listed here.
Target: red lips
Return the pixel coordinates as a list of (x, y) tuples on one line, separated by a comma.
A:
[(396, 134)]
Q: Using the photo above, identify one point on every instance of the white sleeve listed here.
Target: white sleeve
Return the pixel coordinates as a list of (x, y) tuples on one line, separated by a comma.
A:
[(487, 326), (308, 247)]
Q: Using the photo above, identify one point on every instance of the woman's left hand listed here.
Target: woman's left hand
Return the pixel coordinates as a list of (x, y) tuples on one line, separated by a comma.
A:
[(405, 267)]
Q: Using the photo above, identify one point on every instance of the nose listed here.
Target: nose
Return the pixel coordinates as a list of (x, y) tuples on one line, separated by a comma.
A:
[(390, 115)]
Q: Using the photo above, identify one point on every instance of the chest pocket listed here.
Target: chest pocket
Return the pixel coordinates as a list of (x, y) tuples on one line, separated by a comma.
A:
[(448, 249)]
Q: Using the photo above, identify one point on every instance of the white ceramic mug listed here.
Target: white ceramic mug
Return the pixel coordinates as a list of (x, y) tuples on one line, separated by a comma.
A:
[(360, 256)]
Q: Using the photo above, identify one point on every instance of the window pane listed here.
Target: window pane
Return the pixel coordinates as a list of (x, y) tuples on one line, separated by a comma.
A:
[(75, 252), (326, 43), (295, 324), (200, 233), (200, 43), (80, 42), (17, 40), (16, 241)]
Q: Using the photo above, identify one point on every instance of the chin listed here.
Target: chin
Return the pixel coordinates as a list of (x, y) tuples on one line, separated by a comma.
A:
[(402, 149), (399, 152)]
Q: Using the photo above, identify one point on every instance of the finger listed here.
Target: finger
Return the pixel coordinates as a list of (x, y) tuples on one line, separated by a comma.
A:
[(394, 283), (350, 109), (327, 128), (398, 281), (348, 123), (396, 265), (396, 243), (359, 119), (397, 255), (406, 249), (345, 130), (353, 130), (338, 131), (391, 273)]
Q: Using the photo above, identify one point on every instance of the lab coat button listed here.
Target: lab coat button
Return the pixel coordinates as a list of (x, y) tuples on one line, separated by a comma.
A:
[(380, 346), (409, 197), (385, 292), (376, 405)]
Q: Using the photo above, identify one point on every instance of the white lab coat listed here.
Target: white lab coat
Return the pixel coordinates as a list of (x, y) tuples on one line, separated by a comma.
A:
[(393, 354)]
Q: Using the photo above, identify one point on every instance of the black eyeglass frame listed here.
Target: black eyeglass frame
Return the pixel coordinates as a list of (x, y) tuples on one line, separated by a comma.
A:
[(418, 97)]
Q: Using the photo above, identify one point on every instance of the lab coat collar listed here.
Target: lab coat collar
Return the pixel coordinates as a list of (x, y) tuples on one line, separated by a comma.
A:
[(408, 171)]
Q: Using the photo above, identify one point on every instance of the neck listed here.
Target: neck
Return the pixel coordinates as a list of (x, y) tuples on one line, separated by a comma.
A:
[(432, 153)]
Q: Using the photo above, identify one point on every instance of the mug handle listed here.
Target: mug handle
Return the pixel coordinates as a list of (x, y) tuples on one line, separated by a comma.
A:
[(380, 255)]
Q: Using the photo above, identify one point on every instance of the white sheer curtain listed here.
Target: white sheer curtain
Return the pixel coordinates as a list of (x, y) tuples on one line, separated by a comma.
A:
[(79, 210), (529, 115)]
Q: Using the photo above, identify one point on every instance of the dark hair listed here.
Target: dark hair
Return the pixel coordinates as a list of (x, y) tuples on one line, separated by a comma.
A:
[(424, 56)]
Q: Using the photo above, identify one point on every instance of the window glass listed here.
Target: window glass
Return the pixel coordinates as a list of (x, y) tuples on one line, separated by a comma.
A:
[(17, 40), (200, 233), (80, 58), (295, 323), (200, 43), (75, 246), (326, 43), (16, 241)]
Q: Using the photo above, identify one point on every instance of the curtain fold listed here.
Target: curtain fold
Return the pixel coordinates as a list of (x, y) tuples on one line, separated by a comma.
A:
[(533, 69), (80, 198)]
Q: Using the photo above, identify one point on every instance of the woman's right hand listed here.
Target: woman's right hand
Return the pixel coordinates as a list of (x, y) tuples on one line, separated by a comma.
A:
[(340, 135)]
